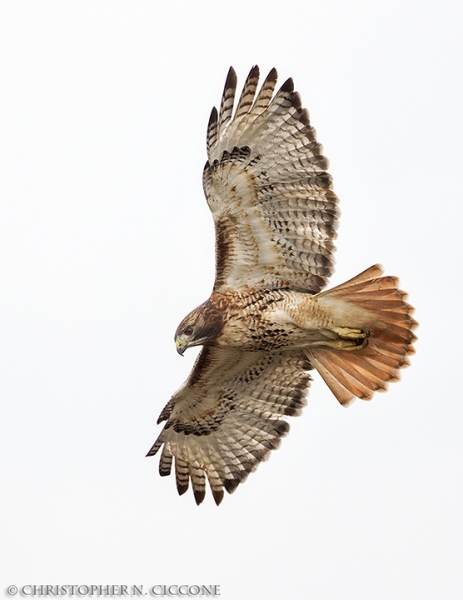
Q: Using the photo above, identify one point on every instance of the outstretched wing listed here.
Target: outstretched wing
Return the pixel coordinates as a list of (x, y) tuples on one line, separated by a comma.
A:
[(228, 415), (266, 184)]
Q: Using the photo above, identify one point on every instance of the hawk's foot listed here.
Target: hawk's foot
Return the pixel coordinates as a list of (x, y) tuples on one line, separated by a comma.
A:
[(349, 333), (348, 345), (349, 338)]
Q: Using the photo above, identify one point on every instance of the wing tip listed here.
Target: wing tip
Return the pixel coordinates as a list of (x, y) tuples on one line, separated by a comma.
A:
[(231, 484), (213, 118), (254, 72), (288, 86), (182, 488), (231, 80), (273, 75), (218, 495), (199, 496)]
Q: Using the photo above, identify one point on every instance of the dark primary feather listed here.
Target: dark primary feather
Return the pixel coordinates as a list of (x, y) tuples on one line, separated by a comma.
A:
[(228, 99)]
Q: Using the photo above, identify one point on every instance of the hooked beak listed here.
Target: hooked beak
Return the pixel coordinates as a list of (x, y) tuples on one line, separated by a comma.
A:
[(181, 346)]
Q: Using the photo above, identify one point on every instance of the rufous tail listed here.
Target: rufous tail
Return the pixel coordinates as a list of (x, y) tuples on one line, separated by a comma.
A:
[(363, 371)]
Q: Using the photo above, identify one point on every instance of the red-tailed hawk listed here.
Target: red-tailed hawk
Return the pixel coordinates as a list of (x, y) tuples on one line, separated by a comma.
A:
[(267, 322)]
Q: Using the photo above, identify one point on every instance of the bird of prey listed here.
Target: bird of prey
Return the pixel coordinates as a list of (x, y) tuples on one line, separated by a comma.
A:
[(267, 322)]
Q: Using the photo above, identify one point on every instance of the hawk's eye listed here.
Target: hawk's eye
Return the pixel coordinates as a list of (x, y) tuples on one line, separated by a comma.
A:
[(188, 330)]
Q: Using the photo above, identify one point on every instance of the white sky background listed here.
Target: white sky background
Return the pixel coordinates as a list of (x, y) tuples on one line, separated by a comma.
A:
[(106, 242)]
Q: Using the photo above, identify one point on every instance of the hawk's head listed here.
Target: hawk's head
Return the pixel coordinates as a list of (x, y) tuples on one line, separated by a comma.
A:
[(201, 326)]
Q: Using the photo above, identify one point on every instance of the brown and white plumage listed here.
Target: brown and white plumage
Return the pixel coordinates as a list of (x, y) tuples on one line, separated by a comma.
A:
[(267, 322), (229, 415), (266, 184)]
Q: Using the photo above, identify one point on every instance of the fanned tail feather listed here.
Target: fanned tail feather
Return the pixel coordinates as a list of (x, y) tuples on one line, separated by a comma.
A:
[(361, 372)]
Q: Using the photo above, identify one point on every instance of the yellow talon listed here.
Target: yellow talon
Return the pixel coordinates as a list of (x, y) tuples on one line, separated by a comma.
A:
[(348, 333)]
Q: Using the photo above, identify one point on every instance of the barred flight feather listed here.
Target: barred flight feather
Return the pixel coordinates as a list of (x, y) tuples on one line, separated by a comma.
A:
[(267, 322), (257, 389), (281, 157)]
